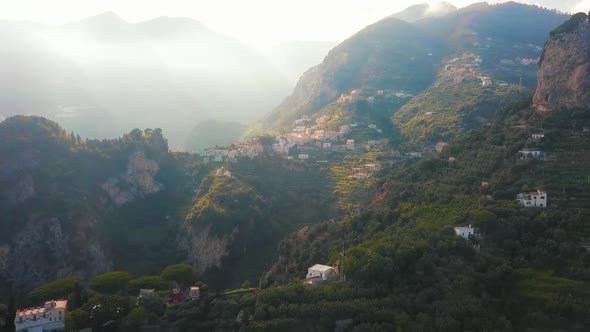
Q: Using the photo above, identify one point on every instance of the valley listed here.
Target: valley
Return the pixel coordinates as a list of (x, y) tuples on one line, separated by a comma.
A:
[(418, 179)]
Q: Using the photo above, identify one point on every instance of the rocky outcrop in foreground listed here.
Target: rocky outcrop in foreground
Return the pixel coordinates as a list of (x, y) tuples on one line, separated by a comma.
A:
[(564, 73)]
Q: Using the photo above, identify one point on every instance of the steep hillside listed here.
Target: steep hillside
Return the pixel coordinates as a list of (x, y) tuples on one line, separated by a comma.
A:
[(235, 223), (58, 193), (509, 36), (525, 262), (406, 58), (462, 98), (76, 208), (390, 54)]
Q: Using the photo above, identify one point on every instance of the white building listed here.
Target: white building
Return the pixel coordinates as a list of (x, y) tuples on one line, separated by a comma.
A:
[(221, 172), (531, 153), (533, 199), (50, 317), (303, 156), (538, 136), (321, 272), (486, 81), (440, 146), (327, 146), (463, 231), (194, 293), (350, 144)]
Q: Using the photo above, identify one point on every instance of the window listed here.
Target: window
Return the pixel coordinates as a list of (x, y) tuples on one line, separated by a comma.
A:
[(542, 197)]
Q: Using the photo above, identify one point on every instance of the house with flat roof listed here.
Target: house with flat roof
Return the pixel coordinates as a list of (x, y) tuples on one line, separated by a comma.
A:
[(533, 199), (320, 272), (463, 231)]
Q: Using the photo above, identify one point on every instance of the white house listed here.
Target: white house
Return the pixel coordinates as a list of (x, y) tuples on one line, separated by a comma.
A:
[(194, 293), (303, 156), (146, 292), (528, 153), (50, 317), (486, 81), (321, 272), (221, 172), (538, 136), (361, 175), (533, 199), (350, 144), (440, 146), (463, 231)]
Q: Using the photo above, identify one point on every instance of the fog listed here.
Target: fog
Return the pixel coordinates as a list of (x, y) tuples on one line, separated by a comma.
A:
[(102, 76)]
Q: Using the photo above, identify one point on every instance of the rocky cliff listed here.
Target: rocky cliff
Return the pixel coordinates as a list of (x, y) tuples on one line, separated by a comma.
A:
[(564, 73), (58, 193)]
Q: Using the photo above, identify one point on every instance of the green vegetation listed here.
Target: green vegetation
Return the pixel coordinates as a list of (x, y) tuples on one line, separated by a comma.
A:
[(181, 274), (54, 290), (570, 25), (111, 283), (149, 282), (444, 110), (390, 54)]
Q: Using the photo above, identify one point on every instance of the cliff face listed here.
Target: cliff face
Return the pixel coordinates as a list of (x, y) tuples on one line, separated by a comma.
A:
[(564, 73), (58, 193), (139, 180)]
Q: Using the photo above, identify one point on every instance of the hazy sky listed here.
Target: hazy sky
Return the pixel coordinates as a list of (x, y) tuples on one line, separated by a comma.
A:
[(257, 22)]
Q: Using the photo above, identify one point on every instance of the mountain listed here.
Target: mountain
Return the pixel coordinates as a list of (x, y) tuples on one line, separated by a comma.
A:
[(508, 36), (461, 98), (425, 10), (390, 54), (76, 207), (563, 81), (409, 59), (76, 74)]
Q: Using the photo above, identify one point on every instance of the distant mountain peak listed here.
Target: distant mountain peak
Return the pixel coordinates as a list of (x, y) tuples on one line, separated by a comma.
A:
[(108, 17), (425, 10)]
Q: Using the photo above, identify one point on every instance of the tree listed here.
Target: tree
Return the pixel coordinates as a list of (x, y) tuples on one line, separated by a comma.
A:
[(246, 284), (137, 316), (111, 283), (10, 315), (179, 273), (57, 289), (149, 282), (3, 314)]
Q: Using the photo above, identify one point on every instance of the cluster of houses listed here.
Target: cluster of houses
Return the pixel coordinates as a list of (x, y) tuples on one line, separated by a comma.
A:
[(364, 171), (463, 69), (49, 317), (355, 95), (251, 150), (305, 137)]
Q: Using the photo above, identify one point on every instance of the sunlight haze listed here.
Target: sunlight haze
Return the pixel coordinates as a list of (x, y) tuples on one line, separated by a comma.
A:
[(259, 23)]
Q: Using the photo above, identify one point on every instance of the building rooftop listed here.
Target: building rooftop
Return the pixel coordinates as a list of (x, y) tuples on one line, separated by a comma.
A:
[(321, 268), (49, 305)]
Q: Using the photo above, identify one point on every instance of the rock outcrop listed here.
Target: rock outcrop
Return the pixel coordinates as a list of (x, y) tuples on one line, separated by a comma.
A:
[(138, 181), (564, 73)]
